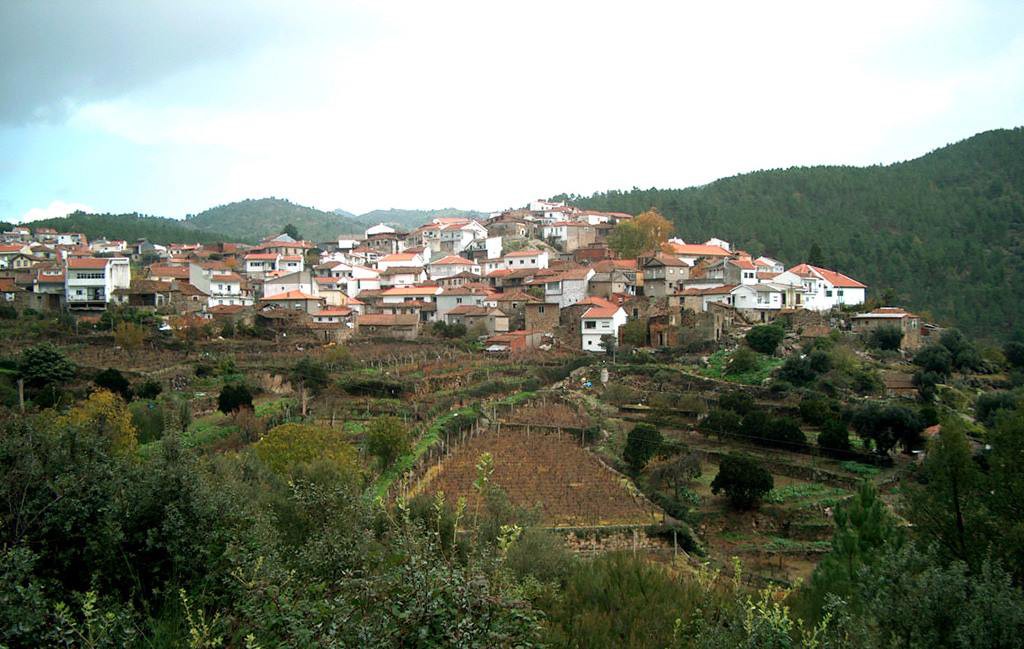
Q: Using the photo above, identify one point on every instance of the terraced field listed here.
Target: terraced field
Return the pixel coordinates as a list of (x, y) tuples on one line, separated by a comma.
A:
[(564, 482)]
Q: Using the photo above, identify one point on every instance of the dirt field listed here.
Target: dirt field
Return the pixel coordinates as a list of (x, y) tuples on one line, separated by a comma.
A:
[(567, 484)]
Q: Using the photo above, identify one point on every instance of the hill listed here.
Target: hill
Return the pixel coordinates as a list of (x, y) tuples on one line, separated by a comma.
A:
[(129, 227), (254, 219), (409, 219), (941, 234)]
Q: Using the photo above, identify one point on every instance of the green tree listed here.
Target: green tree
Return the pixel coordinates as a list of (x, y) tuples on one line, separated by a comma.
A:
[(864, 528), (291, 231), (291, 447), (387, 439), (1014, 353), (234, 396), (737, 401), (742, 480), (765, 338), (815, 257), (834, 436), (627, 240), (743, 360), (44, 365), (935, 358), (721, 423), (111, 379), (642, 443), (634, 332), (946, 507), (885, 338), (311, 374)]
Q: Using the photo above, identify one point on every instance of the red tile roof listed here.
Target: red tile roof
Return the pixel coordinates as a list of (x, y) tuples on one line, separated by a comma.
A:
[(452, 260), (832, 277), (291, 295), (87, 263), (696, 250)]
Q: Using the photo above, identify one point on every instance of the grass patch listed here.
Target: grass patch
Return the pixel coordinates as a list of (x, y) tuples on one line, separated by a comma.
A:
[(718, 364), (803, 493), (856, 468)]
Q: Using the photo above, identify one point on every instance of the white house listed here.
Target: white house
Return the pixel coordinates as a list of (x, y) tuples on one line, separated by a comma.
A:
[(824, 289), (302, 281), (691, 252), (258, 264), (380, 228), (402, 276), (769, 265), (452, 265), (224, 288), (603, 318), (457, 296), (567, 288), (89, 282), (526, 259), (71, 239)]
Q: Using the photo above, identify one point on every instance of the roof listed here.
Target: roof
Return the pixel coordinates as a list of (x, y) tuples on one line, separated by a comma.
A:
[(291, 295), (335, 310), (401, 270), (885, 313), (291, 257), (767, 275), (470, 309), (832, 277), (525, 253), (261, 256), (146, 286), (570, 274), (697, 249), (744, 264), (714, 290), (399, 256), (668, 260), (226, 309), (87, 263), (465, 290), (7, 285), (387, 320), (17, 247), (411, 290), (226, 277), (515, 296), (451, 260)]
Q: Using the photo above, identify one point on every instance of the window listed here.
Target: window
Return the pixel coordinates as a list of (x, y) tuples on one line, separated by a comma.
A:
[(458, 300), (605, 325), (828, 293), (540, 309), (589, 324)]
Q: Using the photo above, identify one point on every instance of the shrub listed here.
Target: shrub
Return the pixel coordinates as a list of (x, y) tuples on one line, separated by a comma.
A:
[(1014, 353), (8, 312), (936, 359), (743, 360), (387, 439), (888, 426), (816, 411), (737, 401), (250, 427), (834, 436), (148, 419), (112, 379), (990, 403), (765, 338), (819, 361), (743, 480), (234, 396), (755, 425), (310, 373), (885, 338), (797, 371), (620, 394), (642, 444), (287, 447), (149, 389), (785, 432), (721, 423)]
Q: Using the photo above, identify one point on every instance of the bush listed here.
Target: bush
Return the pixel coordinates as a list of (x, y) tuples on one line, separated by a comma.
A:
[(888, 426), (234, 396), (743, 480), (743, 360), (387, 439), (737, 401), (936, 359), (765, 338), (1014, 353), (310, 373), (8, 312), (834, 436), (289, 447), (111, 379), (620, 394), (148, 419), (797, 371), (885, 338), (816, 411), (642, 444), (785, 432), (149, 389), (990, 403), (721, 423)]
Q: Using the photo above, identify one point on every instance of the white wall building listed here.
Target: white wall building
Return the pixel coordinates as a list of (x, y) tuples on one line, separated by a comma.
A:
[(823, 289), (602, 319), (526, 259), (89, 282)]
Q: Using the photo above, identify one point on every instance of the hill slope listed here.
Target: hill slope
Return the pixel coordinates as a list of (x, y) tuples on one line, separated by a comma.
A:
[(129, 227), (254, 219), (409, 219), (942, 234)]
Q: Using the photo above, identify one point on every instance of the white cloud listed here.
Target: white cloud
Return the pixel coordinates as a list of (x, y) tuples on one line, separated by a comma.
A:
[(53, 210)]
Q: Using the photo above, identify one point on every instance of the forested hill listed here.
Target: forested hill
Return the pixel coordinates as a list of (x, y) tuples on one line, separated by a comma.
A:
[(254, 219), (409, 219), (943, 232), (129, 227)]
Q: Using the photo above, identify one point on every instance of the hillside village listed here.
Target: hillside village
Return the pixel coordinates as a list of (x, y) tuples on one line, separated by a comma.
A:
[(523, 279)]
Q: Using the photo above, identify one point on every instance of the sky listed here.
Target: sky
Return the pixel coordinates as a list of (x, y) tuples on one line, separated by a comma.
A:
[(171, 107)]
